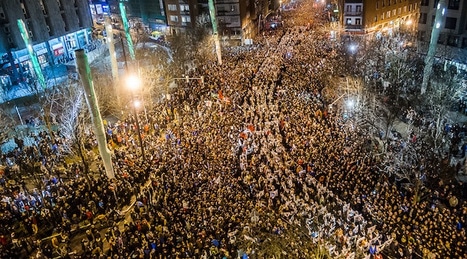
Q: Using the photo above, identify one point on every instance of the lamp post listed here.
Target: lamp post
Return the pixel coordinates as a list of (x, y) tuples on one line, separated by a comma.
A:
[(134, 83)]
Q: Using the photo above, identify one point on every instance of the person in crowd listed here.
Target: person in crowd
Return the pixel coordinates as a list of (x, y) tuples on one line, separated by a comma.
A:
[(252, 155)]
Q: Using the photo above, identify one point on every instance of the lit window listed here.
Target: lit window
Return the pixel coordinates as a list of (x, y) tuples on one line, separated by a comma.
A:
[(41, 3), (174, 18), (186, 19), (172, 7), (23, 8), (184, 8)]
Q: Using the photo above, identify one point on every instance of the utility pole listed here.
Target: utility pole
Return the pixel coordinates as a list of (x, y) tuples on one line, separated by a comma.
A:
[(111, 44), (113, 57), (86, 78), (430, 56), (138, 128), (134, 84), (215, 32)]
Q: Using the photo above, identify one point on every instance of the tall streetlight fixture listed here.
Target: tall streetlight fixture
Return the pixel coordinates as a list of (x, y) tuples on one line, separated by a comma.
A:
[(134, 83), (430, 55)]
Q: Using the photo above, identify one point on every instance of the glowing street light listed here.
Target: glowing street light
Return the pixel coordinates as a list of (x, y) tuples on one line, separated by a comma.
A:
[(133, 83), (137, 104), (353, 48)]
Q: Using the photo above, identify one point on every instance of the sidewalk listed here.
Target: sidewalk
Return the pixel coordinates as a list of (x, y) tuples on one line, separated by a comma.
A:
[(54, 75), (20, 100)]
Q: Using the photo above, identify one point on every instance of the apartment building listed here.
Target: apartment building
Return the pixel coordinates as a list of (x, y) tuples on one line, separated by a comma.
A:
[(56, 28), (240, 19), (353, 16), (181, 14), (389, 15), (236, 19), (149, 13), (379, 16)]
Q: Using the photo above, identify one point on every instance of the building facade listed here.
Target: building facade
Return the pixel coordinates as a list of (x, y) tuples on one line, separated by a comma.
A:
[(240, 20), (181, 14), (452, 42), (353, 16), (379, 16), (99, 10), (229, 14), (56, 28), (148, 13), (388, 15), (237, 19)]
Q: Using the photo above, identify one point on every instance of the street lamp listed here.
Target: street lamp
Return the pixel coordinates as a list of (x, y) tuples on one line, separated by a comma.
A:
[(353, 48), (134, 83), (350, 104)]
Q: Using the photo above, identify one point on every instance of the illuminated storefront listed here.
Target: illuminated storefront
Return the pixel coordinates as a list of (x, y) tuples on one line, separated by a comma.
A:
[(99, 9), (56, 51)]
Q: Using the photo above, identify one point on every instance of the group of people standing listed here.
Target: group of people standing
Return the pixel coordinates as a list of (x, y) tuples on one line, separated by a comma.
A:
[(250, 163)]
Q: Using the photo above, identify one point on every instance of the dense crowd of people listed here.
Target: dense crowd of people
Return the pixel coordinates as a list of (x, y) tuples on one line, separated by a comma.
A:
[(251, 163)]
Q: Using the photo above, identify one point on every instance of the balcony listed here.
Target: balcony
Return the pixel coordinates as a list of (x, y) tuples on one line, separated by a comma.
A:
[(227, 13), (353, 13), (352, 27), (227, 1)]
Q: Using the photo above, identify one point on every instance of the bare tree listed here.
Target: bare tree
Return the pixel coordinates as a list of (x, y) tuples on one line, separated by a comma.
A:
[(73, 122), (6, 124), (391, 74), (109, 93), (445, 89)]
